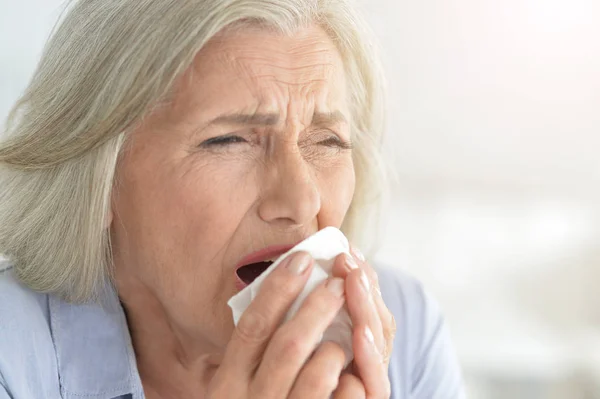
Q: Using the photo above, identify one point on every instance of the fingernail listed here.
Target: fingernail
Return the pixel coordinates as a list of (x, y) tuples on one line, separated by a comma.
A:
[(369, 336), (299, 263), (377, 291), (358, 254), (350, 262), (371, 340), (336, 286), (365, 282)]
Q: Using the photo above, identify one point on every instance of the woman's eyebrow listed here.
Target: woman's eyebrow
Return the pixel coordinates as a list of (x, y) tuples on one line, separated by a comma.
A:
[(246, 119), (270, 119), (328, 118)]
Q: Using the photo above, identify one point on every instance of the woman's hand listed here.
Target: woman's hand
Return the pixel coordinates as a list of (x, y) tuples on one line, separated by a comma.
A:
[(374, 327), (267, 361)]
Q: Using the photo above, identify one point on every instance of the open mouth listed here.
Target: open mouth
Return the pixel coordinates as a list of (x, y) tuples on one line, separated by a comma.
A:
[(250, 272), (255, 264)]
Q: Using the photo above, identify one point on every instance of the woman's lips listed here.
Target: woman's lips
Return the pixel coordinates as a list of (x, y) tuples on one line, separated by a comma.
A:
[(262, 255)]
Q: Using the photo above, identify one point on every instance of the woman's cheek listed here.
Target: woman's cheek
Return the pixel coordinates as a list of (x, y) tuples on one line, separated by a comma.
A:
[(221, 168), (337, 185)]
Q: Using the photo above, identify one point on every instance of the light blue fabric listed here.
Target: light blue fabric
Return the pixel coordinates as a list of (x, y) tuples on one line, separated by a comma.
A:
[(52, 349)]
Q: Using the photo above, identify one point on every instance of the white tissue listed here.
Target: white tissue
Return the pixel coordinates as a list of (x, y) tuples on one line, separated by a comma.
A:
[(323, 246)]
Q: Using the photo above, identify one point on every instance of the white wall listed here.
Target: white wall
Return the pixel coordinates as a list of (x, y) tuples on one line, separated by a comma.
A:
[(24, 27), (502, 91), (493, 133), (493, 130)]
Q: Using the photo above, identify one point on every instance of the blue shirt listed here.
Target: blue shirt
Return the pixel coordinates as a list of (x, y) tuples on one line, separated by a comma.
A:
[(53, 349)]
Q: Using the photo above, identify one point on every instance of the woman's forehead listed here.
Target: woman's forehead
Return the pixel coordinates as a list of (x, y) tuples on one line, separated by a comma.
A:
[(307, 47), (261, 71)]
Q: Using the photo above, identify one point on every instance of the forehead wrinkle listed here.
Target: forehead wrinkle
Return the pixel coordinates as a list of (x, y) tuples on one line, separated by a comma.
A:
[(285, 45), (292, 73), (327, 66), (272, 78), (289, 56)]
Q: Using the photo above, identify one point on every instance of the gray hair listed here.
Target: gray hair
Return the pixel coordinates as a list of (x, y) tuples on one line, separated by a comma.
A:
[(105, 67)]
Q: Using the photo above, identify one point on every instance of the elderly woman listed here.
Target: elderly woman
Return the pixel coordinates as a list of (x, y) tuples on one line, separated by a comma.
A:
[(159, 148)]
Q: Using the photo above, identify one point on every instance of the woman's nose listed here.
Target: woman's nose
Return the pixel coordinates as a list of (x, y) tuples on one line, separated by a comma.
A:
[(291, 194)]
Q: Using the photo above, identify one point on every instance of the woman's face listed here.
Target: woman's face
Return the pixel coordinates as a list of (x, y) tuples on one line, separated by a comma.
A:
[(252, 152)]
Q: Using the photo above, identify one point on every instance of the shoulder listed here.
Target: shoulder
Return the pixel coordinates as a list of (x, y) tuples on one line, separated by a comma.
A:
[(20, 307), (416, 313), (415, 310), (27, 355), (403, 292), (423, 361)]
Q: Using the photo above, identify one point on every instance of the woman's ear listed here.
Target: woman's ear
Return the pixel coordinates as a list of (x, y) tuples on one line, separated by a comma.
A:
[(108, 220)]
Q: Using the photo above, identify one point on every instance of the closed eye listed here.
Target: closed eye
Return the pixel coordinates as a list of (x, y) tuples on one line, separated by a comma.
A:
[(335, 141), (220, 141)]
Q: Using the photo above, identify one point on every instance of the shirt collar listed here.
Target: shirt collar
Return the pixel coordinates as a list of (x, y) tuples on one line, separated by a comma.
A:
[(93, 347)]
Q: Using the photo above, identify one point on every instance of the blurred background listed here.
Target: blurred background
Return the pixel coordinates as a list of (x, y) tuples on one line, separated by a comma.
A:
[(493, 134)]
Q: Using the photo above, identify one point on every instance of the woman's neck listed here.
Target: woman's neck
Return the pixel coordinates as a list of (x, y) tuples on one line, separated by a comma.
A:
[(171, 363)]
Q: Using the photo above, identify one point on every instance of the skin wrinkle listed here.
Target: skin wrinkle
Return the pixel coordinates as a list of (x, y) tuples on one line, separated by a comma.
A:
[(257, 62), (187, 212), (271, 119)]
